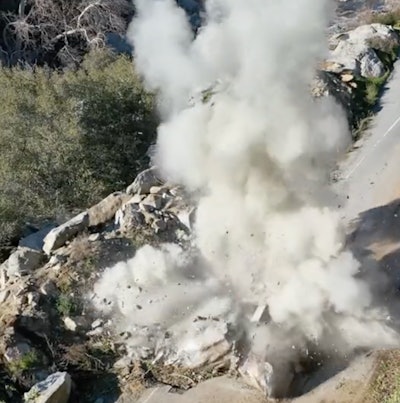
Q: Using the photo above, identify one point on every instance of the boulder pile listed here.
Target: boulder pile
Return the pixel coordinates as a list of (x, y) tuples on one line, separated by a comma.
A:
[(45, 281), (358, 58)]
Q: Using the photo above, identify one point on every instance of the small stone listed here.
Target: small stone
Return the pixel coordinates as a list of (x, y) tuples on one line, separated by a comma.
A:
[(124, 362), (93, 237), (95, 332), (70, 324), (346, 78), (97, 323), (332, 67), (153, 200), (125, 335), (3, 276), (258, 313), (156, 190), (48, 288), (4, 295), (33, 299)]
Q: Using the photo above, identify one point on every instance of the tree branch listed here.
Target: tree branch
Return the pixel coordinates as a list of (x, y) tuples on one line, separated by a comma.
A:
[(85, 10)]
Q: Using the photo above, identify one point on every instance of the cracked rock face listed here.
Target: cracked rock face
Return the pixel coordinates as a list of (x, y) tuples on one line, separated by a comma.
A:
[(56, 388)]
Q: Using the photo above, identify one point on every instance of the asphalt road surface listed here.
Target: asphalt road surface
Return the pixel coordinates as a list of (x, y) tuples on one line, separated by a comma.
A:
[(371, 172)]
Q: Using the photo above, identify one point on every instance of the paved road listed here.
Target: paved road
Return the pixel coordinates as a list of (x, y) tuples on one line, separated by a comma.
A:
[(371, 173)]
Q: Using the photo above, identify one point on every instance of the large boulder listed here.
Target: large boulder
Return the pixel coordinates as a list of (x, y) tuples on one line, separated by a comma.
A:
[(23, 261), (65, 232), (144, 182), (36, 239), (56, 388), (104, 211), (205, 342), (355, 50), (359, 58), (371, 65), (129, 217)]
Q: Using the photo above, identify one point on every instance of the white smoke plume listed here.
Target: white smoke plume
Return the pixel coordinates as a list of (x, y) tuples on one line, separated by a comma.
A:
[(258, 149)]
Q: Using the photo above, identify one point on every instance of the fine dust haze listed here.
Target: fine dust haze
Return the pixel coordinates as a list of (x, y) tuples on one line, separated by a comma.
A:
[(258, 149)]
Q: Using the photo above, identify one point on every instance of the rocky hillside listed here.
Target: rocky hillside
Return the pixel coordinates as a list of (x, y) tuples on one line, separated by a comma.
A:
[(60, 340), (359, 63), (48, 322)]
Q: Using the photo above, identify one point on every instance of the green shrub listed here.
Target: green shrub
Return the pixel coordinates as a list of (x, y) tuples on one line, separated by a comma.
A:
[(25, 363), (373, 87), (389, 18), (365, 98), (66, 305), (68, 139), (387, 50)]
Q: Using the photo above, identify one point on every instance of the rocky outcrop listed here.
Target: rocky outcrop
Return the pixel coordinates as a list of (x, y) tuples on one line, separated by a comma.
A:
[(65, 232), (144, 182), (356, 50), (343, 91), (205, 343), (358, 64), (105, 211), (42, 294), (158, 210)]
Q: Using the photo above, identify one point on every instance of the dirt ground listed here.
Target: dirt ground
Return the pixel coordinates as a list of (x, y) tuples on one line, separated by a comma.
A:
[(371, 378)]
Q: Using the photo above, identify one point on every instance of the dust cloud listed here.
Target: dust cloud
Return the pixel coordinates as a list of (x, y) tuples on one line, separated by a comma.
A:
[(257, 149)]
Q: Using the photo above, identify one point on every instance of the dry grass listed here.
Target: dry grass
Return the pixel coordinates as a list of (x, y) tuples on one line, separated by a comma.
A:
[(389, 18), (184, 378), (81, 248), (386, 386), (71, 138)]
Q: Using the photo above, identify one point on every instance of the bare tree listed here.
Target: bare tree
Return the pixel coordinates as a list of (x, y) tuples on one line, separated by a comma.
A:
[(43, 28)]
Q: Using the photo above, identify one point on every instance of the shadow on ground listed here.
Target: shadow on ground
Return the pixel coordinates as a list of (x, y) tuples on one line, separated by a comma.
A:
[(375, 242), (374, 239)]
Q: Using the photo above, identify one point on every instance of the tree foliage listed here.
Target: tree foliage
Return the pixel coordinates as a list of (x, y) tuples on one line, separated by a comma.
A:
[(60, 32), (68, 139)]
